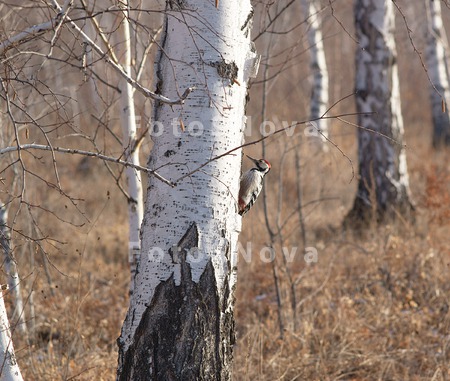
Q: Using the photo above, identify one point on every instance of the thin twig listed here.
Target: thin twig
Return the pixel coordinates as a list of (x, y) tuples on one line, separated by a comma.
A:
[(276, 132), (72, 151), (418, 53), (36, 30)]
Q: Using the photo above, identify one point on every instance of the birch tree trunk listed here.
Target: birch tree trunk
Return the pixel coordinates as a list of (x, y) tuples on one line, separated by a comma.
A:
[(10, 269), (436, 48), (383, 178), (9, 369), (131, 150), (180, 323), (318, 64)]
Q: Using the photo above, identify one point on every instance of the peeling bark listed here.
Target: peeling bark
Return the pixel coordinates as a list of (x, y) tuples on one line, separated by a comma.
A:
[(383, 187)]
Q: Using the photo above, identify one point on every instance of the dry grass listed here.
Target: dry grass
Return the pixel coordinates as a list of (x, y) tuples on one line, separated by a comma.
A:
[(381, 313), (374, 307)]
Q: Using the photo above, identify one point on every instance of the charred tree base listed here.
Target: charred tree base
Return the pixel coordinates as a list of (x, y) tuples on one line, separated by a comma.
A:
[(364, 216), (185, 332), (441, 140)]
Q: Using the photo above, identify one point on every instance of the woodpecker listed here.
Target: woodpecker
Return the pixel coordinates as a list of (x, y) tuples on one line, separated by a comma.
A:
[(251, 184)]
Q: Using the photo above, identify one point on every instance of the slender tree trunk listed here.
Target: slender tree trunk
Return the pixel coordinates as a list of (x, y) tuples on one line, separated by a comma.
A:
[(9, 369), (383, 178), (318, 64), (180, 323), (11, 271), (131, 149), (130, 141), (436, 48)]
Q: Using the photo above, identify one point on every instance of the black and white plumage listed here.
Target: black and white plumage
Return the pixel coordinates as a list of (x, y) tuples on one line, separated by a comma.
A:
[(251, 184)]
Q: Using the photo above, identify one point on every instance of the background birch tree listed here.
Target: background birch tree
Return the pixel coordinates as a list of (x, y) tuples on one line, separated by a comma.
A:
[(318, 65), (10, 264), (9, 368), (383, 185), (180, 322), (131, 146), (117, 49), (437, 59)]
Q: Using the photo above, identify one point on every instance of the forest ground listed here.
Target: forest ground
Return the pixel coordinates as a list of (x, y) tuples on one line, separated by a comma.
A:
[(375, 306)]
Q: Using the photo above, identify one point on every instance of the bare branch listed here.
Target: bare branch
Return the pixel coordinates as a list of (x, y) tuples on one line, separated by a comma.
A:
[(145, 54), (276, 132), (100, 33), (416, 51), (36, 30), (146, 92), (271, 21), (26, 147), (340, 22)]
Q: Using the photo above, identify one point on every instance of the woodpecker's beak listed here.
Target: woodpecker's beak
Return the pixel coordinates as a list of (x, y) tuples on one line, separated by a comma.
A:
[(254, 160)]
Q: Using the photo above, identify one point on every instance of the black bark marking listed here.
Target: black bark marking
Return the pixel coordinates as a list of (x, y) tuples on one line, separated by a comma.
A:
[(226, 70), (169, 153), (176, 4), (248, 22), (178, 337)]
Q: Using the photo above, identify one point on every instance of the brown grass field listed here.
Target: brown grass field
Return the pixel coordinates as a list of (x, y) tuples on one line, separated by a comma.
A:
[(375, 306)]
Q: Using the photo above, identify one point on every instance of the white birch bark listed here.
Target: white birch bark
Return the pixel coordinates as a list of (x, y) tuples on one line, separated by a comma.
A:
[(10, 269), (318, 65), (9, 369), (180, 322), (436, 57), (131, 149), (383, 177)]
